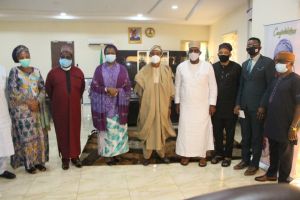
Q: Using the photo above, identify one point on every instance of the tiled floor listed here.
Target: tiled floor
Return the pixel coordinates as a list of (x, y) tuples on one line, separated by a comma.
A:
[(119, 182)]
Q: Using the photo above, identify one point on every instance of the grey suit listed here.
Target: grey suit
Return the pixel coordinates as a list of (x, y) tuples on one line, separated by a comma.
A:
[(251, 91)]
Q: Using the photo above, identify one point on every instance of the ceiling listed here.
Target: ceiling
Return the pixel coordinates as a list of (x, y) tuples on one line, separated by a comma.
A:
[(200, 12)]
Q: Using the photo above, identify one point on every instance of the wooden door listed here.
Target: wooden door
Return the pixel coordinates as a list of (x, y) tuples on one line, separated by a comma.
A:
[(55, 51)]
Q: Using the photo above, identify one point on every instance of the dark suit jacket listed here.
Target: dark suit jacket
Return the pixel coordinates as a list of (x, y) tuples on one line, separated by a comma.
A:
[(254, 85)]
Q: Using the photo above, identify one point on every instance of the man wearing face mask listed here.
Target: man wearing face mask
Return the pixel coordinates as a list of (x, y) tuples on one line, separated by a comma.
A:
[(155, 87), (282, 101), (65, 86), (227, 74), (257, 73), (195, 98)]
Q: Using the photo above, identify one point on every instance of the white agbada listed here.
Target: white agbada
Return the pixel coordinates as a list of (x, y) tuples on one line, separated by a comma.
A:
[(196, 90), (6, 144)]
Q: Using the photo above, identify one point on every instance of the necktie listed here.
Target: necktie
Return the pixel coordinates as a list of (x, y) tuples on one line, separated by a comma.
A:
[(249, 66)]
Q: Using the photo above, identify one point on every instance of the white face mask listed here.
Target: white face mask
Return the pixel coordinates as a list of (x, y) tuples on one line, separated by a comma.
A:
[(155, 59), (194, 56), (281, 68), (110, 58)]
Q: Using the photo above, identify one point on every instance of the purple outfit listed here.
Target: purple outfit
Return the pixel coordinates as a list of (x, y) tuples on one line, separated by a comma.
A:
[(102, 104)]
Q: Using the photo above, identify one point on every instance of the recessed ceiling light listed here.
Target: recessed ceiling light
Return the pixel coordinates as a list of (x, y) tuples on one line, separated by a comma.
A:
[(64, 15), (174, 7), (139, 17)]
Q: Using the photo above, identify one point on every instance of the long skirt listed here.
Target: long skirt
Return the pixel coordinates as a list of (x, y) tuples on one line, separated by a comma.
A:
[(113, 141)]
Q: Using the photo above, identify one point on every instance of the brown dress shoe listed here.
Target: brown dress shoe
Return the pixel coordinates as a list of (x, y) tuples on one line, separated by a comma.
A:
[(264, 178), (241, 165), (251, 171), (184, 161)]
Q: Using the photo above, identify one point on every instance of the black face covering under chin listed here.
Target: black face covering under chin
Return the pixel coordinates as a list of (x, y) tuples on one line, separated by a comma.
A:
[(223, 58), (252, 50)]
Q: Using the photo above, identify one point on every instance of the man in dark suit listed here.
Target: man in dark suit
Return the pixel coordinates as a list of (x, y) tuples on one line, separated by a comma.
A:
[(257, 73)]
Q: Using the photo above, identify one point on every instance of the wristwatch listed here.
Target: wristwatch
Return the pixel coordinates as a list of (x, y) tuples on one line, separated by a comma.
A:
[(293, 128)]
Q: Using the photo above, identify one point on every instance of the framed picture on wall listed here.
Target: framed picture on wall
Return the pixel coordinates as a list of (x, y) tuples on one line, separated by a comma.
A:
[(134, 35)]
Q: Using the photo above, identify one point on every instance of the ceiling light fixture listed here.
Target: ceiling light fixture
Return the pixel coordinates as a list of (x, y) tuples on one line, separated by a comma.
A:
[(174, 7), (64, 15), (139, 17)]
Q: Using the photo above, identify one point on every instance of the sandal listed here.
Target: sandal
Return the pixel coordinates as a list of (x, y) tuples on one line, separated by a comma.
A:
[(216, 159), (226, 162), (202, 162), (184, 161), (42, 168)]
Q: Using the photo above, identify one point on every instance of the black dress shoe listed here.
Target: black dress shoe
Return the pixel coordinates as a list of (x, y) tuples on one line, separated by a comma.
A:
[(8, 175), (165, 160), (65, 165), (146, 162), (76, 162), (226, 162), (111, 162), (42, 168), (32, 170), (117, 159)]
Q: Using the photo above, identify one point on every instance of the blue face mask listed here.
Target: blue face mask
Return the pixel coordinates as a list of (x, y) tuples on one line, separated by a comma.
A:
[(65, 63), (24, 62), (110, 58)]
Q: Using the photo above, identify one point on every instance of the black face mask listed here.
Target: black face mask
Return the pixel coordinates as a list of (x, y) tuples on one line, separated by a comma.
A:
[(223, 58), (252, 50)]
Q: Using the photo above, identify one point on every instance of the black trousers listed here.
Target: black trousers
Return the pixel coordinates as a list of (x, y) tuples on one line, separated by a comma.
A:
[(281, 158), (219, 124), (252, 138)]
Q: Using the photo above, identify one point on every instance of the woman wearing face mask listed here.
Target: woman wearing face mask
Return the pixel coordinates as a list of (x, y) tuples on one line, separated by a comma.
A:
[(110, 94), (26, 93), (65, 85)]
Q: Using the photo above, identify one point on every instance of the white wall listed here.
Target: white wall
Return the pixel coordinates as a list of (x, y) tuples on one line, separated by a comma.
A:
[(234, 22), (267, 12), (38, 35)]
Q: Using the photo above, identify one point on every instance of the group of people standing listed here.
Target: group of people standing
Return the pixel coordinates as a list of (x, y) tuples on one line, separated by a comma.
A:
[(209, 99), (25, 120)]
